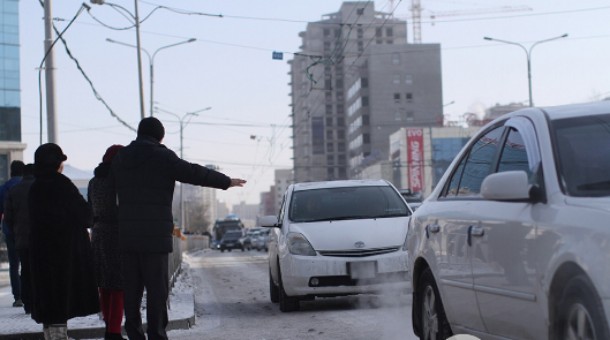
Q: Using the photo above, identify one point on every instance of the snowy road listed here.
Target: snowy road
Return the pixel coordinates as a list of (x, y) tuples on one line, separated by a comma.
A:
[(232, 302)]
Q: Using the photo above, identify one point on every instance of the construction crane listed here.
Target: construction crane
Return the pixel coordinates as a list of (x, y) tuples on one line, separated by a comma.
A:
[(479, 11), (416, 11)]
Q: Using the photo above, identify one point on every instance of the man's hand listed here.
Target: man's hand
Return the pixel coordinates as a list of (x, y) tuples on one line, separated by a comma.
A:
[(237, 182)]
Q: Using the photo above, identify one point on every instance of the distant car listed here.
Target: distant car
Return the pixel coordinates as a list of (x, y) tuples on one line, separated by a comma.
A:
[(514, 241), (260, 240), (337, 238), (246, 240), (230, 241)]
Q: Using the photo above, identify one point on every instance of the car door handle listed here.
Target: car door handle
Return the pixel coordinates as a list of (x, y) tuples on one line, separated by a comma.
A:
[(474, 230), (432, 228)]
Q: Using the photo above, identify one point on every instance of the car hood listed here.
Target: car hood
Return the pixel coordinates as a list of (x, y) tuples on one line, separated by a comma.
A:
[(343, 235), (597, 203)]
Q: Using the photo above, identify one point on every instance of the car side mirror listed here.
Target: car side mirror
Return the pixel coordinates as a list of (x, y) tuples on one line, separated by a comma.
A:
[(269, 221), (507, 186)]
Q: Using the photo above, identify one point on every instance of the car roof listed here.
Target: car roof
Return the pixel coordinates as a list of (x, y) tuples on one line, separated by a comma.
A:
[(339, 184), (569, 111)]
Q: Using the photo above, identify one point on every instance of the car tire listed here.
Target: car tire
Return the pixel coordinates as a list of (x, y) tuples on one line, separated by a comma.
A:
[(287, 303), (222, 250), (580, 312), (429, 309), (274, 290)]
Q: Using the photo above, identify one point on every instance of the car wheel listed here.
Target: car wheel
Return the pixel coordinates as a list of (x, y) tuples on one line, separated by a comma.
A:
[(274, 290), (434, 324), (579, 313), (287, 303), (243, 249), (229, 250)]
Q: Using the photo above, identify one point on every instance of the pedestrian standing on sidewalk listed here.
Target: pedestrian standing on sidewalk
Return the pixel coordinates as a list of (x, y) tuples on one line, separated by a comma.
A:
[(17, 219), (145, 173), (63, 280), (9, 237), (105, 245)]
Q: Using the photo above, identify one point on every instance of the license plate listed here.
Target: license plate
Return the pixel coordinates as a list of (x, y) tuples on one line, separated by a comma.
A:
[(362, 270)]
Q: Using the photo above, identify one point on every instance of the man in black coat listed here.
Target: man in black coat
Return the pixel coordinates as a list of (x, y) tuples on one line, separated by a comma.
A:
[(144, 173)]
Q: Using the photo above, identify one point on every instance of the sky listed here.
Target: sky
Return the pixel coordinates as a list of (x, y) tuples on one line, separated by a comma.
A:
[(241, 95)]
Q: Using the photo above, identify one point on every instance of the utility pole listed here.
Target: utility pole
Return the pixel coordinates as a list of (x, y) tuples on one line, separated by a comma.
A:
[(140, 82), (49, 67)]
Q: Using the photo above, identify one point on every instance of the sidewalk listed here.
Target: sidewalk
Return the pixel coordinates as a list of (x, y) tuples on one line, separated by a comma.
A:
[(16, 324)]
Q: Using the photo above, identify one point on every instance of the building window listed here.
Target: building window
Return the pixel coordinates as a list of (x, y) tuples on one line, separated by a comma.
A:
[(409, 115), (360, 11), (329, 147), (396, 79), (365, 82), (366, 138), (341, 134), (366, 120), (329, 122), (329, 134), (389, 31), (341, 147), (326, 32), (396, 98), (317, 135), (389, 41), (365, 101), (409, 97), (360, 33), (378, 32), (330, 159), (409, 79), (396, 59)]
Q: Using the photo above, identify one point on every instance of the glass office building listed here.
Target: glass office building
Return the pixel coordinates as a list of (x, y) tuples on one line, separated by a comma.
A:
[(11, 147)]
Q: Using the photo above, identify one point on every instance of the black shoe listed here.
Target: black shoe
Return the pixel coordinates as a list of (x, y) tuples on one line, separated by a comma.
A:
[(113, 336), (18, 303)]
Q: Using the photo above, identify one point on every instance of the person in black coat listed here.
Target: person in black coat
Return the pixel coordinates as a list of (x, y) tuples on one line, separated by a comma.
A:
[(145, 173), (63, 281), (17, 219), (105, 244)]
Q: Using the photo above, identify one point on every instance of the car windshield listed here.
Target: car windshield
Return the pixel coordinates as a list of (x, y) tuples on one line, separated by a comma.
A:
[(346, 203), (583, 149), (231, 236)]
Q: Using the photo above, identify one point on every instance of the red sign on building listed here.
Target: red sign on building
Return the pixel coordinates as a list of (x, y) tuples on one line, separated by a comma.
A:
[(415, 159)]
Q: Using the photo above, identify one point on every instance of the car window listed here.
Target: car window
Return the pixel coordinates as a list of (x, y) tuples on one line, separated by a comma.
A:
[(475, 166), (346, 203), (583, 149), (514, 154)]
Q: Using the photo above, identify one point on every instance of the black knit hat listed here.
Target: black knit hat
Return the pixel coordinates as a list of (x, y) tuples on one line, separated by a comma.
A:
[(152, 127), (49, 154), (17, 168)]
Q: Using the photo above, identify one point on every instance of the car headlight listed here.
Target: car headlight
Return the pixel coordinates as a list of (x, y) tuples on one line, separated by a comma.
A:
[(298, 245)]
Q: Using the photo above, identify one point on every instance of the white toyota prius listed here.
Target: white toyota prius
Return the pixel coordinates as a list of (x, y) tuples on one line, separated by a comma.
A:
[(514, 241), (337, 238)]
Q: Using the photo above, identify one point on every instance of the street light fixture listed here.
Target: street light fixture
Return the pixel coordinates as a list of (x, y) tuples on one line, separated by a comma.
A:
[(183, 124), (151, 61), (528, 53)]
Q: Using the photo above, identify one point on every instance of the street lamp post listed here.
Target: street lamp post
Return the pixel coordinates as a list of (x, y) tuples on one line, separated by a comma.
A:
[(136, 20), (151, 61), (528, 53), (183, 125)]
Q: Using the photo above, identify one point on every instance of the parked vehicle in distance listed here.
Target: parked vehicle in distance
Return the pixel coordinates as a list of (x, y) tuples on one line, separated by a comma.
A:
[(221, 226), (260, 240), (337, 238), (230, 241), (413, 199), (246, 240), (514, 243)]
